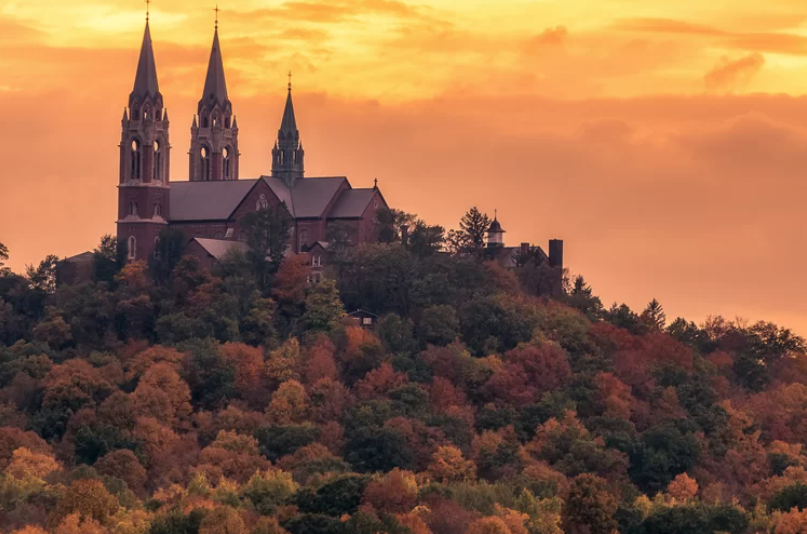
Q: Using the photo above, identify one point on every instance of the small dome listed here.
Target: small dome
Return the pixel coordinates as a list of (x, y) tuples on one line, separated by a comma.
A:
[(495, 226)]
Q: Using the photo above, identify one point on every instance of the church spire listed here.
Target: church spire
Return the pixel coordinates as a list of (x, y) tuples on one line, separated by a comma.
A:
[(288, 153), (215, 91), (146, 84), (214, 137)]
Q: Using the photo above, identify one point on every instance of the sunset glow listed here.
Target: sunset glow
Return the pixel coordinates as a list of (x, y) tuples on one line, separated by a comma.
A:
[(664, 141)]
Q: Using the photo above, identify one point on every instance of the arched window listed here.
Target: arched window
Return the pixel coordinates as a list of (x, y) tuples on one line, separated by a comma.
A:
[(158, 162), (136, 159), (132, 247), (205, 153), (262, 203), (205, 121), (158, 209), (280, 156), (226, 154), (133, 208), (303, 239)]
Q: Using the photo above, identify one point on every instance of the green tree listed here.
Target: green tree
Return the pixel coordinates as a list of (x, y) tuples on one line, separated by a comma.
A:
[(471, 236), (425, 240), (105, 263), (323, 307), (167, 254), (590, 507), (3, 258), (654, 317), (389, 222), (439, 325), (582, 298), (43, 276), (267, 235)]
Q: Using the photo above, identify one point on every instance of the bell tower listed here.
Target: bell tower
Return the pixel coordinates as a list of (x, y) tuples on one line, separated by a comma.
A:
[(214, 134), (143, 189), (288, 153)]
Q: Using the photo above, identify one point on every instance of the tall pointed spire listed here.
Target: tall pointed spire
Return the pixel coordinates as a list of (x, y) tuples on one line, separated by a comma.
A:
[(215, 91), (146, 83), (288, 154), (289, 124)]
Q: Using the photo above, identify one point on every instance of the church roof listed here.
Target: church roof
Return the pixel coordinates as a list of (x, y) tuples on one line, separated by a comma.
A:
[(218, 248), (352, 204), (215, 201), (146, 78), (207, 201), (495, 226), (215, 85)]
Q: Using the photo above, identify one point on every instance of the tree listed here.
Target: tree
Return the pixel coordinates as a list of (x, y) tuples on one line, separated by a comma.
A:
[(439, 325), (389, 223), (267, 234), (105, 264), (289, 404), (654, 317), (323, 307), (3, 258), (471, 236), (582, 298), (425, 240), (267, 490), (590, 507), (222, 520), (395, 492), (448, 465), (167, 254), (89, 499), (43, 277)]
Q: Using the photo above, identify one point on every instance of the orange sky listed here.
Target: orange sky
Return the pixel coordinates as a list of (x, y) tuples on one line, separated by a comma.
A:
[(666, 142)]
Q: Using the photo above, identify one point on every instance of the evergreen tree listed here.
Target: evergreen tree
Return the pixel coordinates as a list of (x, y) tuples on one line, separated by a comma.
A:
[(3, 258), (654, 317), (323, 307), (43, 277), (470, 238)]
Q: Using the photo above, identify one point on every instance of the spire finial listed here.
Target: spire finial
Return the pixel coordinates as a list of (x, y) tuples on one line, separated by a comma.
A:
[(290, 81), (376, 183), (217, 16), (496, 213), (148, 9)]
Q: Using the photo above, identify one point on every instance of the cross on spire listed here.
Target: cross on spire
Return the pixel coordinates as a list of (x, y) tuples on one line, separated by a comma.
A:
[(148, 9), (217, 16), (289, 81)]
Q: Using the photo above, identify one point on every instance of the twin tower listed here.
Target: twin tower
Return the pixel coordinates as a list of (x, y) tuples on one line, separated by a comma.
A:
[(214, 151)]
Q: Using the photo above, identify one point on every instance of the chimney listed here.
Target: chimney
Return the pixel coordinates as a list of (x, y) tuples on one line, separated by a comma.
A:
[(525, 249), (405, 234), (556, 253)]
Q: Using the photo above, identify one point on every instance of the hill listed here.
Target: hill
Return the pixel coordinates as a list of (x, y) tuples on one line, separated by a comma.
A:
[(166, 398)]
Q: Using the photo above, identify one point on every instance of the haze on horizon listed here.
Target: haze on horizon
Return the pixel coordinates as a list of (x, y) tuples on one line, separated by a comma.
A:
[(665, 142)]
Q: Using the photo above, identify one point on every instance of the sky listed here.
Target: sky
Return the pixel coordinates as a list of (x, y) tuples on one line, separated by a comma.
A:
[(664, 141)]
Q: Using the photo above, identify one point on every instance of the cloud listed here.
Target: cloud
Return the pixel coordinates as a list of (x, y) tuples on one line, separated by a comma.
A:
[(730, 74), (659, 25)]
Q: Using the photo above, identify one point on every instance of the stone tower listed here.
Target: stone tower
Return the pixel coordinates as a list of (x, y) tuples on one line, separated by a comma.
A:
[(214, 134), (288, 153), (143, 189)]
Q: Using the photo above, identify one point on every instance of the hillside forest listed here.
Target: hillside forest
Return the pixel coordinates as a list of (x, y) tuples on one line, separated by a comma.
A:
[(160, 397)]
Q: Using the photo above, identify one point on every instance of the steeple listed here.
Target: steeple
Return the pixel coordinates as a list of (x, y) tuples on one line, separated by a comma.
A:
[(215, 91), (288, 154), (146, 84), (214, 137), (495, 233)]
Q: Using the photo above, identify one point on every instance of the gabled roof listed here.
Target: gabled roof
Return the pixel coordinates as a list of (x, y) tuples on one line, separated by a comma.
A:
[(215, 91), (207, 201), (146, 78), (352, 203), (218, 248), (311, 196)]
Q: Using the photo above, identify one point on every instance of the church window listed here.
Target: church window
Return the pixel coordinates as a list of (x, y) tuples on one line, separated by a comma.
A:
[(215, 121), (158, 209), (280, 157), (227, 122), (303, 239), (158, 162), (262, 203), (226, 154), (204, 122), (133, 208), (205, 153), (229, 234), (132, 247), (136, 160)]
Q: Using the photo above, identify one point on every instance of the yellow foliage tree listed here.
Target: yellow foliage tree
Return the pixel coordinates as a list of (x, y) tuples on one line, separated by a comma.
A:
[(448, 465), (289, 404)]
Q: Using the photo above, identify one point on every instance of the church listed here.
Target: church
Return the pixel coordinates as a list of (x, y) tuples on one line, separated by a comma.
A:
[(209, 206)]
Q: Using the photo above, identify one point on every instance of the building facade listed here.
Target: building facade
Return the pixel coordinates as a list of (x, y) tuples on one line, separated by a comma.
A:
[(209, 206)]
